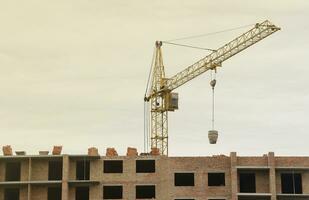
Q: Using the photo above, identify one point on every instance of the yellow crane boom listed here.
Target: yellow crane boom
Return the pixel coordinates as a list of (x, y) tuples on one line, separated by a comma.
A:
[(160, 93)]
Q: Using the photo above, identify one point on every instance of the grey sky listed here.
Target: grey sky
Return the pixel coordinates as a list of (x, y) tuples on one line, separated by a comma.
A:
[(78, 69)]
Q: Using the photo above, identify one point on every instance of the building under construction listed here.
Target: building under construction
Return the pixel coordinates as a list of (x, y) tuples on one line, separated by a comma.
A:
[(151, 176), (154, 175)]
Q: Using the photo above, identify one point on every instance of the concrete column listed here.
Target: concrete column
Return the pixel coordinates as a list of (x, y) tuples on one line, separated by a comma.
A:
[(65, 177), (96, 169), (272, 175), (234, 183)]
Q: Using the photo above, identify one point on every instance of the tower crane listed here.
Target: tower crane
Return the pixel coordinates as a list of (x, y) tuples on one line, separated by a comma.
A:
[(159, 94)]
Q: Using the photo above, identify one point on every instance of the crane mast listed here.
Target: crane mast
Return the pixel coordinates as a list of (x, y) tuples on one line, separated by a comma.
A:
[(160, 95), (159, 138)]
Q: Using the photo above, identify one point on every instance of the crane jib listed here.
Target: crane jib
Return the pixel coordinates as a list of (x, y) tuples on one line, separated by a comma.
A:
[(256, 34)]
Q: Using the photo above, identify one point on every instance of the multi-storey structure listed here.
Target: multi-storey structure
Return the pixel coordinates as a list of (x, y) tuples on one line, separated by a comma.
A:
[(83, 177)]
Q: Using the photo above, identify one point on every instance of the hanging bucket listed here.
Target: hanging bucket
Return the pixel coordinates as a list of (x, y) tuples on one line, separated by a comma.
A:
[(213, 136)]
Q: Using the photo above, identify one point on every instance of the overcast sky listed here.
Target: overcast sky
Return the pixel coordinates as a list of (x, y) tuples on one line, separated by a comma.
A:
[(73, 73)]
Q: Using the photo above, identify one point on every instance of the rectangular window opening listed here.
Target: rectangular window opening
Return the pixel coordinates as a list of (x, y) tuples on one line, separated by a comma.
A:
[(184, 179), (12, 171), (216, 179), (55, 170), (82, 193), (11, 194), (291, 183), (145, 192), (54, 193), (145, 166), (83, 170), (113, 166), (112, 192), (247, 183)]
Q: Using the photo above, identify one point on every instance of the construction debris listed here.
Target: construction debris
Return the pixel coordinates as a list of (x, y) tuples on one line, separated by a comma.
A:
[(132, 151), (155, 151), (57, 150), (111, 152), (7, 150), (93, 151)]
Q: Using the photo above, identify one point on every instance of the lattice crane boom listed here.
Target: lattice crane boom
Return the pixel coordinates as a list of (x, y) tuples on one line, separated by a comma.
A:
[(160, 95)]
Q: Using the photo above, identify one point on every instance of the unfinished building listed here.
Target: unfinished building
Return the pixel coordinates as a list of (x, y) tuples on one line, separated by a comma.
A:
[(94, 177)]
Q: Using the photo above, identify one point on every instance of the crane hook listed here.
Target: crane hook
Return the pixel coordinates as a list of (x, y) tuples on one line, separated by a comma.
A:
[(213, 83)]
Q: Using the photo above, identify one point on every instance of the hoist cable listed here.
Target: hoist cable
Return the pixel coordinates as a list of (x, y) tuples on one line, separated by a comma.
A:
[(150, 72), (213, 108), (210, 33), (213, 84), (146, 119)]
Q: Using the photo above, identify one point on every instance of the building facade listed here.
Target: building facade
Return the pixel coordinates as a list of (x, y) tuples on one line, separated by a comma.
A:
[(83, 177)]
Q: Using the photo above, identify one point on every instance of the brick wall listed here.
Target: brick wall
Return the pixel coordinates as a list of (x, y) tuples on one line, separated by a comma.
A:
[(163, 178)]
